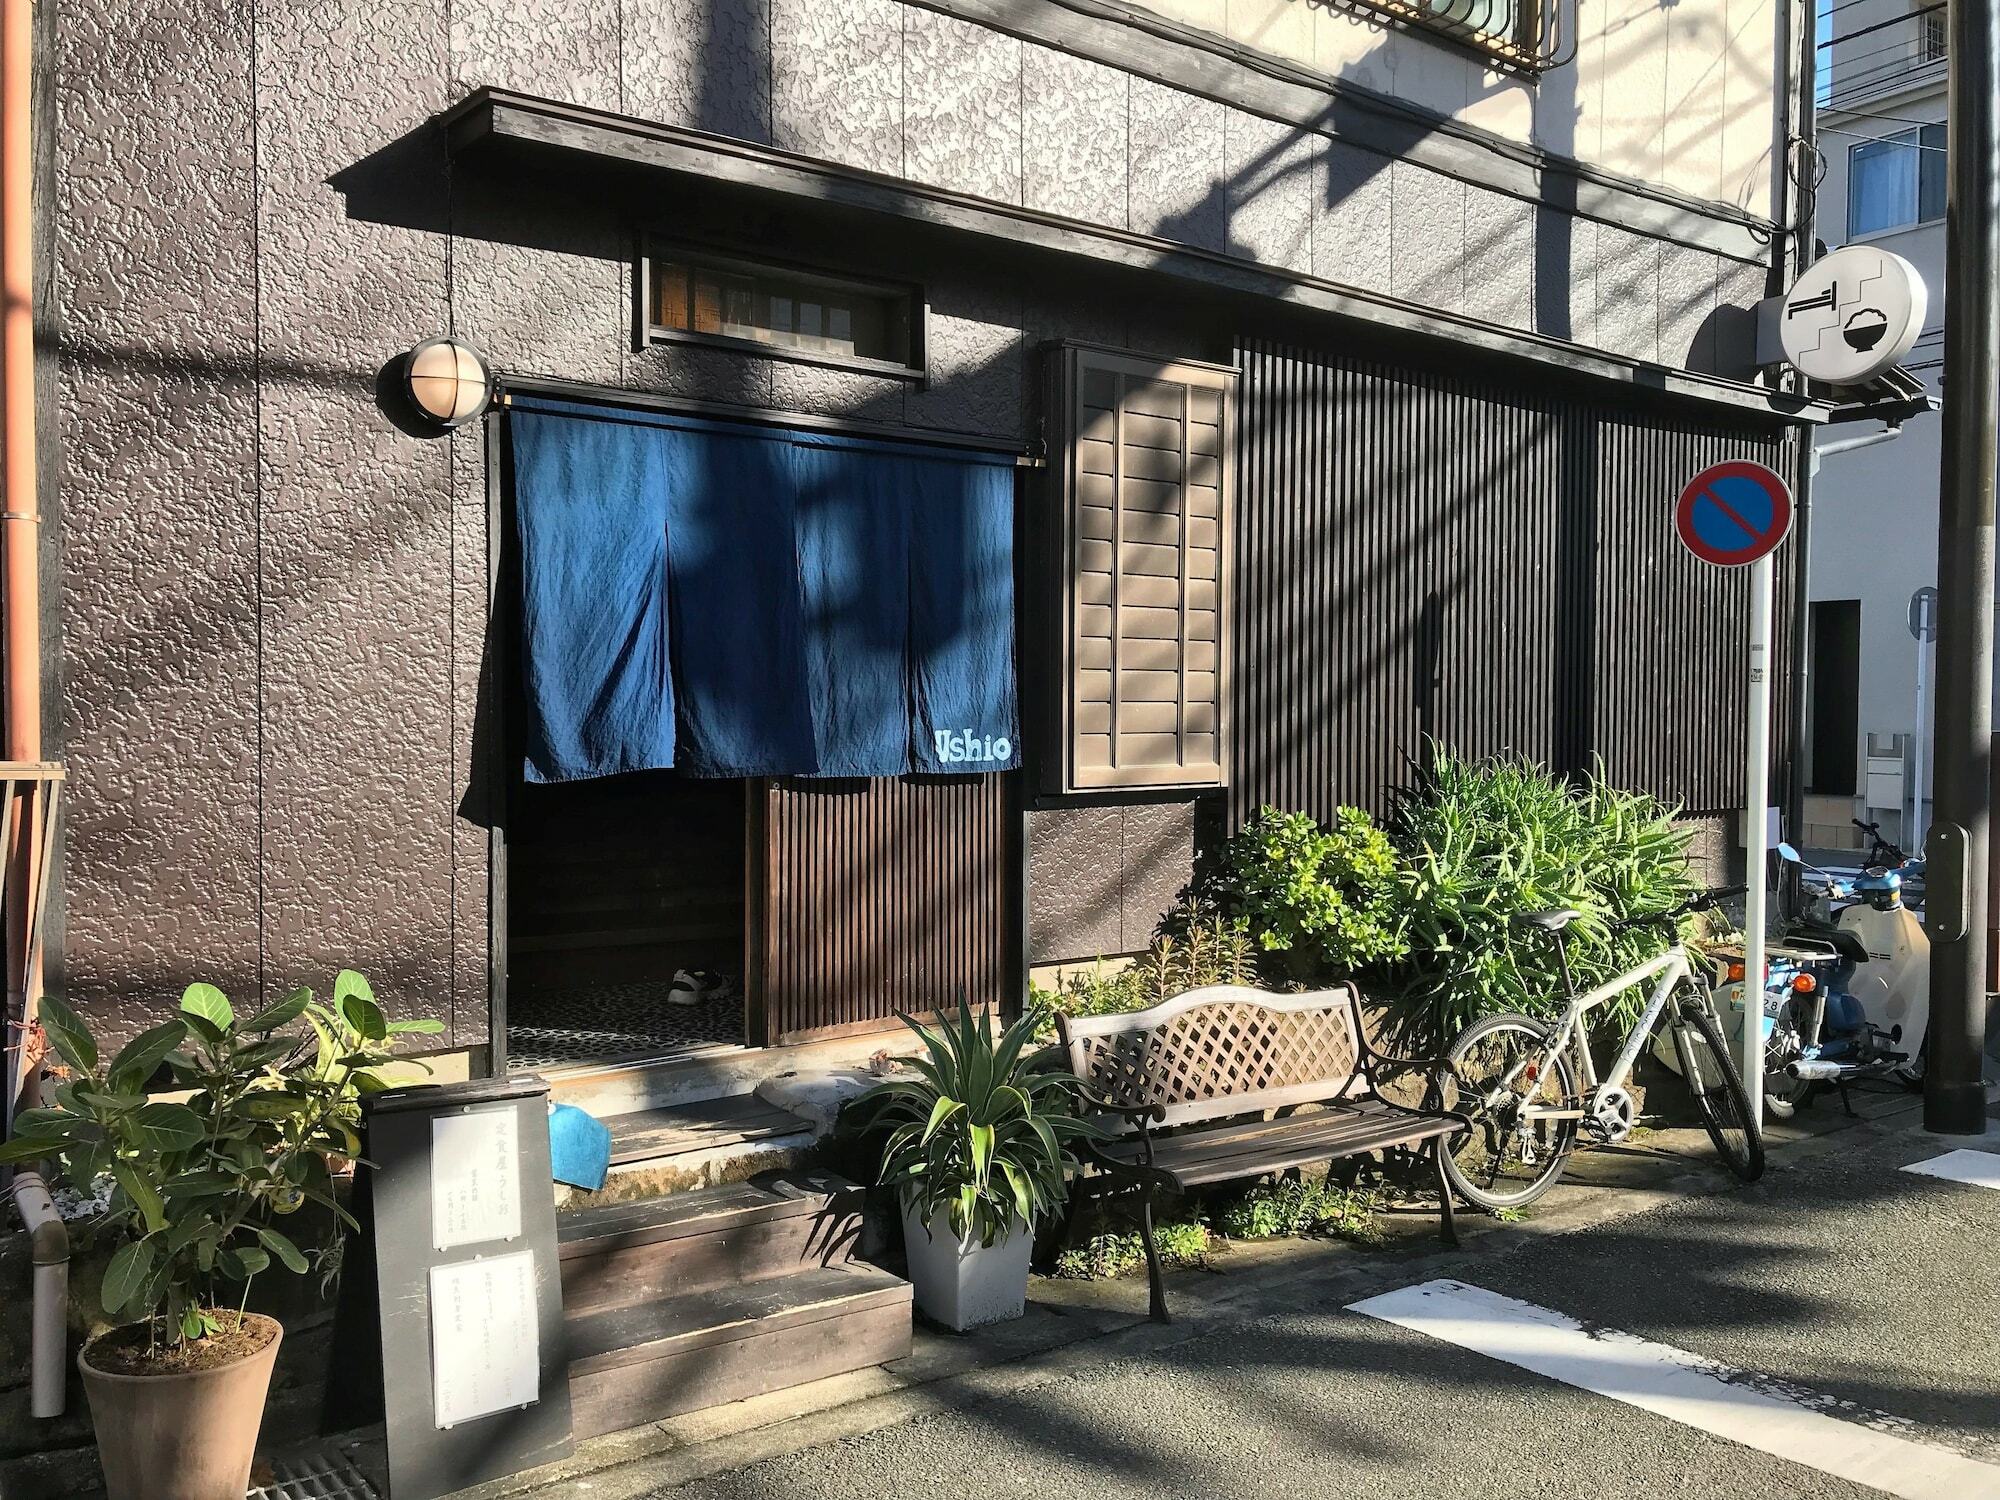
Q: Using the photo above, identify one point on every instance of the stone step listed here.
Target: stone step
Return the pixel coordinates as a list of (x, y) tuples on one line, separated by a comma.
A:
[(619, 1254), (686, 1147), (637, 1364)]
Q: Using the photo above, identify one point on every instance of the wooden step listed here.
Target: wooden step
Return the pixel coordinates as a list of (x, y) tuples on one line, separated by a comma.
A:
[(647, 1134), (638, 1364), (619, 1254)]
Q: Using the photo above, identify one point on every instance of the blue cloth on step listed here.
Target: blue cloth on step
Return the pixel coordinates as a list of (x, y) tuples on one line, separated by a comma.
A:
[(579, 1147)]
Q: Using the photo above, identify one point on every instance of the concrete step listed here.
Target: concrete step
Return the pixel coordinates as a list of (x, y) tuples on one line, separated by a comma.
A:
[(636, 1364), (620, 1254)]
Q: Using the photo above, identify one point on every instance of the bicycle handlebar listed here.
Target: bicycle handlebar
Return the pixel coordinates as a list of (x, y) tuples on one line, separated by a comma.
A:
[(1705, 901)]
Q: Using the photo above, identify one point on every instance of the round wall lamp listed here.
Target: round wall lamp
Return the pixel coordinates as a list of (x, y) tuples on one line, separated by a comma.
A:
[(448, 382)]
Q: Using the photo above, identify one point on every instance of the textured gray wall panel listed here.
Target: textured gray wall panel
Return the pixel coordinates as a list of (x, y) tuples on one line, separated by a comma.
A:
[(1687, 307), (1499, 258), (1739, 287), (1628, 292), (1428, 236), (705, 64), (1272, 173), (962, 110), (561, 49), (976, 361), (1565, 276), (158, 432), (1074, 148), (1352, 213), (1177, 189), (1158, 861), (837, 81), (547, 293), (357, 783), (1074, 907), (711, 374)]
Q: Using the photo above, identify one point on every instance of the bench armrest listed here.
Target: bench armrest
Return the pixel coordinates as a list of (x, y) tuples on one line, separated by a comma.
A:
[(1138, 1114), (1142, 1116), (1433, 1069)]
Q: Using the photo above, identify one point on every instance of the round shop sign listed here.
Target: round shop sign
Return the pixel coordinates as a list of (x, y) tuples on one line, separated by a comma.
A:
[(1852, 314), (1734, 513)]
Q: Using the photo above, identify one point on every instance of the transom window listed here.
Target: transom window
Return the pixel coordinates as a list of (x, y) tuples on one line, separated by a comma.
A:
[(784, 311), (1896, 182)]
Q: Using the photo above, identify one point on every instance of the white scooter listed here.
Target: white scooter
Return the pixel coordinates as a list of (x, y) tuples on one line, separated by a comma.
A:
[(1891, 991)]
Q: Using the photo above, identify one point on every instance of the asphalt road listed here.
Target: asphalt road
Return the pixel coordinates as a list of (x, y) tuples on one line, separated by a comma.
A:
[(1875, 1289)]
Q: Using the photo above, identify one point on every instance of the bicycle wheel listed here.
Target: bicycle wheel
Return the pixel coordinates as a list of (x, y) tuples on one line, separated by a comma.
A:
[(1718, 1092), (1505, 1162)]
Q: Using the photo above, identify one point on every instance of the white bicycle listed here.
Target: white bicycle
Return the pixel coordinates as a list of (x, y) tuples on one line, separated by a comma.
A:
[(1530, 1088)]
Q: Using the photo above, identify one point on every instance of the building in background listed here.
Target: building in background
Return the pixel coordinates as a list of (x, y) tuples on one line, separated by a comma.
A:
[(1881, 129)]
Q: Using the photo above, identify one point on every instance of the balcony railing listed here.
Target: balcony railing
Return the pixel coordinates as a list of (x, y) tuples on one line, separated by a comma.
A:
[(1529, 35)]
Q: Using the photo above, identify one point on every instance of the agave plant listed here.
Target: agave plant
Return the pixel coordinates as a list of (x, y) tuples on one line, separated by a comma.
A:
[(979, 1136)]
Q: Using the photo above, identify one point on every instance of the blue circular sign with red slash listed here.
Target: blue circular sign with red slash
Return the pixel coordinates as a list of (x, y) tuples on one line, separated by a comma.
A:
[(1734, 513)]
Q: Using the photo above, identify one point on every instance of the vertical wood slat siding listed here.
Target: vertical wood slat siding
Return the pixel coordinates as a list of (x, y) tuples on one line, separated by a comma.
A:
[(886, 896), (1422, 554)]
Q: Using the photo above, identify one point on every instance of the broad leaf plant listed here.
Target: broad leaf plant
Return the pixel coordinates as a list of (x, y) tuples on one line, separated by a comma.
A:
[(979, 1136), (197, 1186)]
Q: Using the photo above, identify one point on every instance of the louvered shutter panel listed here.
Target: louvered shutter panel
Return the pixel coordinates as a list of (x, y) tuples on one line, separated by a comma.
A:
[(1144, 571)]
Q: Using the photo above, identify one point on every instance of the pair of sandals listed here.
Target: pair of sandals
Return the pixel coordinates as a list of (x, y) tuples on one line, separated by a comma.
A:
[(696, 987)]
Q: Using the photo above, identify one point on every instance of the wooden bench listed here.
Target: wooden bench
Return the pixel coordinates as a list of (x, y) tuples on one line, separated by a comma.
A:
[(1186, 1086)]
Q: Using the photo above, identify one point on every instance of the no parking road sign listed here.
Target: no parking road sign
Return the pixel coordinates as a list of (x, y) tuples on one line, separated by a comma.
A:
[(1734, 513)]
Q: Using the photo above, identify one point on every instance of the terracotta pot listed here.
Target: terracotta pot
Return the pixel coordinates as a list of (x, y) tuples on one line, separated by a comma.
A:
[(180, 1437)]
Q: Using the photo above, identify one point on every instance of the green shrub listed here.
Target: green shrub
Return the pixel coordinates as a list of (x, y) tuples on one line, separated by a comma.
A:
[(1275, 1210), (1321, 896), (1194, 947), (1103, 1256), (1482, 844)]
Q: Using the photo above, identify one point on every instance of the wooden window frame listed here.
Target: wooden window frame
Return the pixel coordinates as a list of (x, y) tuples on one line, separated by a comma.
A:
[(647, 333), (1064, 771)]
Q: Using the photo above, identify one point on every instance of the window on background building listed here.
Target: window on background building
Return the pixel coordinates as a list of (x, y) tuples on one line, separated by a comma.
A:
[(783, 311), (1896, 181)]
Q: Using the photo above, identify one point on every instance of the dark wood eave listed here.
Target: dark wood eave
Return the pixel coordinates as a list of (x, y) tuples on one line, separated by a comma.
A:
[(492, 116)]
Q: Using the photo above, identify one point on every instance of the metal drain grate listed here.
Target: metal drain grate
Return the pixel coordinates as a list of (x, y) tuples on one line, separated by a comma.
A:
[(323, 1471)]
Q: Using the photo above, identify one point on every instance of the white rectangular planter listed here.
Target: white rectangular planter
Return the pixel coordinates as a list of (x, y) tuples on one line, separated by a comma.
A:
[(963, 1284)]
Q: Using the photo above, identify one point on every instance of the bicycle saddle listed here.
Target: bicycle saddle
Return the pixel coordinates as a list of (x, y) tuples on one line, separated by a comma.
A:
[(1552, 921)]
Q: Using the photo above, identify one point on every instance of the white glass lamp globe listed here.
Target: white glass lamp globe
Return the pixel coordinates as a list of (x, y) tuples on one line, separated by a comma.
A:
[(449, 381)]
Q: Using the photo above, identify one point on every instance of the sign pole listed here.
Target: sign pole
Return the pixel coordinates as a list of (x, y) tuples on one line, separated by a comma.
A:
[(1757, 797), (1914, 844)]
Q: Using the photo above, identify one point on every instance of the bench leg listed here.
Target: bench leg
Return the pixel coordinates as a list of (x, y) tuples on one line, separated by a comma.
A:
[(1447, 1223), (1155, 1279)]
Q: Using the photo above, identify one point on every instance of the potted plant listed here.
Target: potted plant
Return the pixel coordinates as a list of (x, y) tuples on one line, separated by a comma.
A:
[(194, 1188), (977, 1153)]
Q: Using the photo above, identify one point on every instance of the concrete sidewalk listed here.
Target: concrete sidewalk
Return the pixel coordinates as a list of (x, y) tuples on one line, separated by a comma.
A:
[(1096, 1332)]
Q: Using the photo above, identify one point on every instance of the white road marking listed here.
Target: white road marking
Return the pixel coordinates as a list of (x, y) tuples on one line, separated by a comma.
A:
[(1734, 1404), (1980, 1168)]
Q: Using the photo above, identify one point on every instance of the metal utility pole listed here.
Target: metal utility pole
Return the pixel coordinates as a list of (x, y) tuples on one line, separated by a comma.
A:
[(1956, 882)]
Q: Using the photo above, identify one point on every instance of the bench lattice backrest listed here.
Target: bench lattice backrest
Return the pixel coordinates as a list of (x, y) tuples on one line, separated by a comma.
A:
[(1224, 1050)]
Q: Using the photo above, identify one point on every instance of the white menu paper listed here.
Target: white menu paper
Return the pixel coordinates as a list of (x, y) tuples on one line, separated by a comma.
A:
[(485, 1343), (475, 1178)]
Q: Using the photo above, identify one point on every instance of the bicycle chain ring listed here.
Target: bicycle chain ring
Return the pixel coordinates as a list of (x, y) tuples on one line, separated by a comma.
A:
[(1613, 1113)]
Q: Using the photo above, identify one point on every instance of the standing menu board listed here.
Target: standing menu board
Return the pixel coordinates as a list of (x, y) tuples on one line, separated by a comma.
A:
[(467, 1299)]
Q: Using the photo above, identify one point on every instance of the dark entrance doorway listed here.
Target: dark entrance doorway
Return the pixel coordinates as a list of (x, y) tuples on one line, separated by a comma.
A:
[(617, 887), (1836, 696)]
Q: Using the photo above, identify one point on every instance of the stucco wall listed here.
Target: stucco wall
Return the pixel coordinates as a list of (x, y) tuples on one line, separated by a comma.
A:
[(274, 604), (1676, 94)]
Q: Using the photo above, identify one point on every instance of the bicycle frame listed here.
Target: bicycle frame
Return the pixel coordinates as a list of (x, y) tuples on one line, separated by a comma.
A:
[(1671, 967)]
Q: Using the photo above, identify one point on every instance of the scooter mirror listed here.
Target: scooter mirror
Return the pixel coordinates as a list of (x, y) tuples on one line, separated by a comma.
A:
[(1787, 852)]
